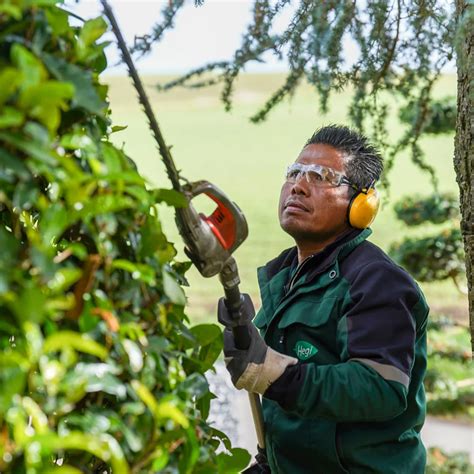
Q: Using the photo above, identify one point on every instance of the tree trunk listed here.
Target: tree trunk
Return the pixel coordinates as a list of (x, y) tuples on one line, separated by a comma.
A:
[(464, 142)]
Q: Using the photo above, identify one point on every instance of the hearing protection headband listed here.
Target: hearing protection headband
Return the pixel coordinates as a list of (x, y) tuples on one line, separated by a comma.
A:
[(363, 190)]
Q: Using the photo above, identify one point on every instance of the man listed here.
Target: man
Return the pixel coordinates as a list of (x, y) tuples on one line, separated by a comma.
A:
[(343, 354)]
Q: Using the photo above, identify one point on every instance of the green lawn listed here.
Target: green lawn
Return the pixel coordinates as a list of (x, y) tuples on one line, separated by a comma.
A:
[(248, 161)]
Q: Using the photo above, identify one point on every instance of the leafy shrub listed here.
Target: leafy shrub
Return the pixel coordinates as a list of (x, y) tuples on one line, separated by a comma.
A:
[(437, 208), (99, 369), (433, 258), (441, 115)]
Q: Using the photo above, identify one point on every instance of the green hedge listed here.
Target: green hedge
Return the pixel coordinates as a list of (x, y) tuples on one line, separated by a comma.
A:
[(100, 370)]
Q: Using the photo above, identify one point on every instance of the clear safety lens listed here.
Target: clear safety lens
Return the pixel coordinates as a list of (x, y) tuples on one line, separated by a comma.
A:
[(315, 174)]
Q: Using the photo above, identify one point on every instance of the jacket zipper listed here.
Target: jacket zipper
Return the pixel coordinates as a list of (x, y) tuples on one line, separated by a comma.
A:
[(293, 279), (298, 272)]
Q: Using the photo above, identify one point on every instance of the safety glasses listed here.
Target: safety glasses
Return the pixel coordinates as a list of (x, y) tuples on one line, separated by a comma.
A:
[(316, 174)]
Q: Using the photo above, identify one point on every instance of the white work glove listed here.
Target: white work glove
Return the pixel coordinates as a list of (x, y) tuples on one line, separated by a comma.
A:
[(257, 367)]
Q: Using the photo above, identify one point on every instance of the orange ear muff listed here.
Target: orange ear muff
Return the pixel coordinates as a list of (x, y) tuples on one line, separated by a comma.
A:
[(363, 208)]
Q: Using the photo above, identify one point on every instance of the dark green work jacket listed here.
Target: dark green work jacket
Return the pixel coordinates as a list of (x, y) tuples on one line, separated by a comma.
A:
[(357, 323)]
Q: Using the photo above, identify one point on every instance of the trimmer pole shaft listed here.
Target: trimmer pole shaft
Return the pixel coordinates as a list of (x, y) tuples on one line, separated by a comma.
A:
[(229, 277), (153, 123)]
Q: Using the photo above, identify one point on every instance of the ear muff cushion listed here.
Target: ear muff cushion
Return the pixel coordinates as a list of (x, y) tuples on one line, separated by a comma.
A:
[(363, 208)]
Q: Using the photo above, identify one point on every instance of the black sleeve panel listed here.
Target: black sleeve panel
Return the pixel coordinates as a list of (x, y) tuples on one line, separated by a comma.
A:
[(286, 388), (381, 323)]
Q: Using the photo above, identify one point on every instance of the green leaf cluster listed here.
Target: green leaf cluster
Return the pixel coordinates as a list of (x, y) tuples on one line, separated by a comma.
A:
[(100, 370)]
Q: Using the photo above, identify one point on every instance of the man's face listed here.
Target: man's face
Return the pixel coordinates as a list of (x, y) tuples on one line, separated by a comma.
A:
[(309, 212)]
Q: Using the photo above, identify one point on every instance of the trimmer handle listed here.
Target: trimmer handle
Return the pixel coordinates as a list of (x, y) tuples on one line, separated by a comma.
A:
[(227, 220), (210, 240)]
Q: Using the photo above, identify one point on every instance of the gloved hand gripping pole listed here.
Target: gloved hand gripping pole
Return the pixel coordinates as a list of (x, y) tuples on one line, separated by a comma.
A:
[(234, 301)]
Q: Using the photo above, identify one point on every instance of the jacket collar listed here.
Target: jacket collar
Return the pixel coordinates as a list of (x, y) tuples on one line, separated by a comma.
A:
[(273, 278), (320, 261)]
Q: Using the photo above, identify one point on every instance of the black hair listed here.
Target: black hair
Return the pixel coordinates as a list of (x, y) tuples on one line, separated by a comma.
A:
[(363, 161)]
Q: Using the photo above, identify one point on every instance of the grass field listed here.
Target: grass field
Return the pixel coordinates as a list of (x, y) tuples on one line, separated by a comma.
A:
[(248, 162)]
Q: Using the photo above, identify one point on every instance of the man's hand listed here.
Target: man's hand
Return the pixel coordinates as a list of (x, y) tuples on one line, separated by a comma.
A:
[(257, 367)]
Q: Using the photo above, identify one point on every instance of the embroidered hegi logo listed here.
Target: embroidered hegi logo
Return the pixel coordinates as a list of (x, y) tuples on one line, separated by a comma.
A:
[(304, 350)]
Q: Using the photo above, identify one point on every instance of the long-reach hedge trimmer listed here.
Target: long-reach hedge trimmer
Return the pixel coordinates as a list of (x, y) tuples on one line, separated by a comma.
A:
[(209, 240)]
